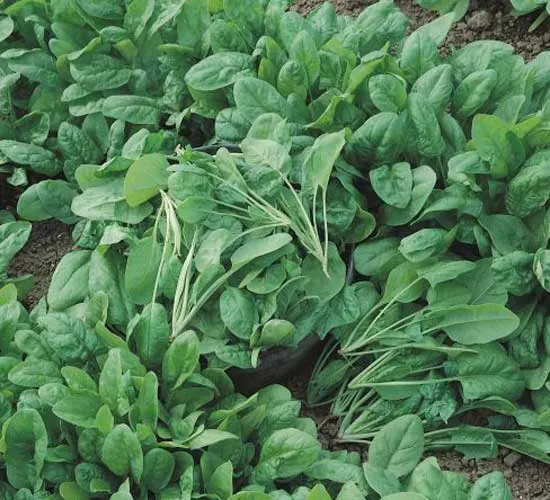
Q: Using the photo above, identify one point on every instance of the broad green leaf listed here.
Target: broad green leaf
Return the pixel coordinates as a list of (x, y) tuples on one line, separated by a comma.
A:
[(320, 159), (151, 334), (424, 179), (476, 324), (254, 97), (489, 372), (111, 384), (145, 178), (99, 72), (25, 442), (257, 248), (79, 409), (492, 486), (541, 268), (132, 109), (397, 448), (39, 159), (393, 184), (238, 312), (388, 92), (158, 467), (304, 51), (286, 453), (217, 71), (180, 360), (142, 269), (121, 452)]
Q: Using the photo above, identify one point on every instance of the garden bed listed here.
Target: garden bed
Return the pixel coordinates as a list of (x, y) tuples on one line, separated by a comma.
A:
[(487, 20)]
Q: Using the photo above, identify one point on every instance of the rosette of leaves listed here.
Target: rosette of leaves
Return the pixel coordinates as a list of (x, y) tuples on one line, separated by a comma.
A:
[(78, 80), (227, 244), (84, 417), (488, 202)]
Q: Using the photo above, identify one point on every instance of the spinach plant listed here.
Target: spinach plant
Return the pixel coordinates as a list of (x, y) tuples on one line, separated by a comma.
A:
[(85, 416)]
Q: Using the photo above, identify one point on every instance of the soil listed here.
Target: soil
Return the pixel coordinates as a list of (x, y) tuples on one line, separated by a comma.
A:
[(487, 19), (48, 243)]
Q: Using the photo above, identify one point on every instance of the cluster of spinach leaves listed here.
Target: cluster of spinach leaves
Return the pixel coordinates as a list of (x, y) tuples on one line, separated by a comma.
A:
[(83, 416), (323, 127), (459, 265)]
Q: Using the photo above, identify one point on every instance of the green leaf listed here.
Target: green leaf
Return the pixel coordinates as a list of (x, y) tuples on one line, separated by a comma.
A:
[(428, 480), (476, 324), (25, 445), (424, 179), (388, 92), (254, 97), (209, 437), (107, 203), (473, 92), (138, 13), (393, 184), (304, 51), (147, 403), (79, 409), (47, 199), (217, 71), (180, 360), (490, 136), (541, 268), (41, 160), (238, 312), (220, 482), (398, 446), (111, 385), (13, 237), (132, 109), (142, 269), (487, 373), (34, 373), (151, 334), (492, 486), (320, 159), (286, 453), (426, 243), (379, 140), (318, 284), (257, 248), (69, 284), (380, 480), (6, 27), (145, 178), (122, 453), (158, 467), (97, 72), (528, 191), (276, 332)]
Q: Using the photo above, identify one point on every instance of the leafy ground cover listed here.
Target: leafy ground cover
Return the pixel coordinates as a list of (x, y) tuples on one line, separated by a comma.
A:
[(323, 138)]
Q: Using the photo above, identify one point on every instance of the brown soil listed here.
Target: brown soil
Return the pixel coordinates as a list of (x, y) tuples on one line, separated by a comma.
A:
[(49, 241)]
